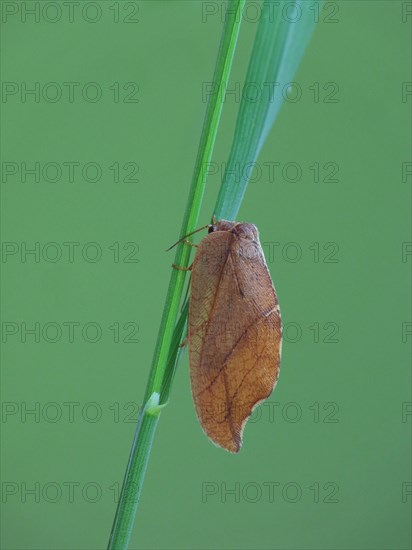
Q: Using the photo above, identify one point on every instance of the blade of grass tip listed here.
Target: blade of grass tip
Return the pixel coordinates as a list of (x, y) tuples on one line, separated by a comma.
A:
[(281, 39), (149, 415)]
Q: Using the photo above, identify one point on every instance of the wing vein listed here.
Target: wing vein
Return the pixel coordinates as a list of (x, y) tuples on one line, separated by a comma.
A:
[(224, 364)]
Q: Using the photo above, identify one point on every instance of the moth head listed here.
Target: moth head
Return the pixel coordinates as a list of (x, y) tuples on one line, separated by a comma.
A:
[(222, 225)]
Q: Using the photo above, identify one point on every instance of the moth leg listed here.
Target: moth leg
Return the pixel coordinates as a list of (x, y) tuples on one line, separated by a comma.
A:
[(182, 268), (184, 343), (190, 244)]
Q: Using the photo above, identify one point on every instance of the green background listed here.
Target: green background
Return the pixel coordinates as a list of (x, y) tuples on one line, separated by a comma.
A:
[(334, 440)]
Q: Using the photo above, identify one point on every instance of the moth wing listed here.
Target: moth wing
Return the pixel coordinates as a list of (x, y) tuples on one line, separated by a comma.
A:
[(234, 335)]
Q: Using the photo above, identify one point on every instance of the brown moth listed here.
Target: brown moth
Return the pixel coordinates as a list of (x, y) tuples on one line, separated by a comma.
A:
[(234, 331)]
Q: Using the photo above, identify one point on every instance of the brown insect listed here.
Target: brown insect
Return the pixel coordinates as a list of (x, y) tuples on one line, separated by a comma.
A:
[(234, 331)]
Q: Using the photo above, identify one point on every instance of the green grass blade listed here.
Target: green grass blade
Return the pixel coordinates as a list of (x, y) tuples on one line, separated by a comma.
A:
[(175, 353), (277, 51), (168, 339), (209, 132)]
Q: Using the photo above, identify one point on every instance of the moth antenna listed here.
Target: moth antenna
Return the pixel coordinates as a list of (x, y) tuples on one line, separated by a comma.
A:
[(188, 235)]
